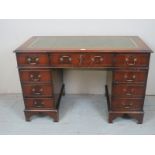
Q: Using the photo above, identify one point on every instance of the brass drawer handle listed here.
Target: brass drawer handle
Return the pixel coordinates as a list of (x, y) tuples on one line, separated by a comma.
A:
[(131, 63), (128, 92), (35, 77), (65, 58), (38, 104), (130, 80), (100, 58), (127, 106), (32, 60), (37, 91)]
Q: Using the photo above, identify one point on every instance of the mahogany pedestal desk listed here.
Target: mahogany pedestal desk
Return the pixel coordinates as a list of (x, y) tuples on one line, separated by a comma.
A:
[(41, 61)]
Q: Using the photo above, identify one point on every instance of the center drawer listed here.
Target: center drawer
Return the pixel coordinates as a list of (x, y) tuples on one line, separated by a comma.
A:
[(37, 90), (98, 60), (81, 60), (64, 59)]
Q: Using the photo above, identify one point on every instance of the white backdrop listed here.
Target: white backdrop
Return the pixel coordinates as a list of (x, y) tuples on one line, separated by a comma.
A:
[(15, 32)]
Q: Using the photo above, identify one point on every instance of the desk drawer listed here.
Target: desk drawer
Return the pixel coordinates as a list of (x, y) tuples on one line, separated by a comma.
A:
[(80, 60), (131, 60), (35, 75), (39, 103), (126, 104), (32, 59), (123, 90), (130, 76), (35, 90), (64, 59), (99, 60)]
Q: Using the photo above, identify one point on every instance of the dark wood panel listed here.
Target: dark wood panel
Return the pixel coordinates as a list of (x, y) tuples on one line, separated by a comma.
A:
[(126, 104), (81, 60), (130, 76), (39, 103), (57, 82), (131, 60), (35, 75), (64, 60), (37, 90), (125, 90), (32, 59), (97, 60)]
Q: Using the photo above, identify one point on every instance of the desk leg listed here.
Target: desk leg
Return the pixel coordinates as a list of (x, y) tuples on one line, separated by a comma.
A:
[(63, 93), (27, 115), (136, 115)]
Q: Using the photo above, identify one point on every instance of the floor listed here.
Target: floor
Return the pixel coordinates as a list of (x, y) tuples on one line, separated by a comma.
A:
[(79, 114)]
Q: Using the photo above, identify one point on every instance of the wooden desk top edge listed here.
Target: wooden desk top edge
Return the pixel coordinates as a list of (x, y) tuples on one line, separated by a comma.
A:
[(142, 46)]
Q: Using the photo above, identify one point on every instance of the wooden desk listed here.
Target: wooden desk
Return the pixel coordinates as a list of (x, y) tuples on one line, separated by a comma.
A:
[(41, 61)]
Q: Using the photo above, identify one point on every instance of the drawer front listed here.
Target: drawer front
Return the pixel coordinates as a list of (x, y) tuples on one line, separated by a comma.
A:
[(32, 60), (127, 104), (37, 90), (130, 76), (64, 59), (123, 90), (98, 60), (132, 60), (80, 60), (35, 75), (39, 103)]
